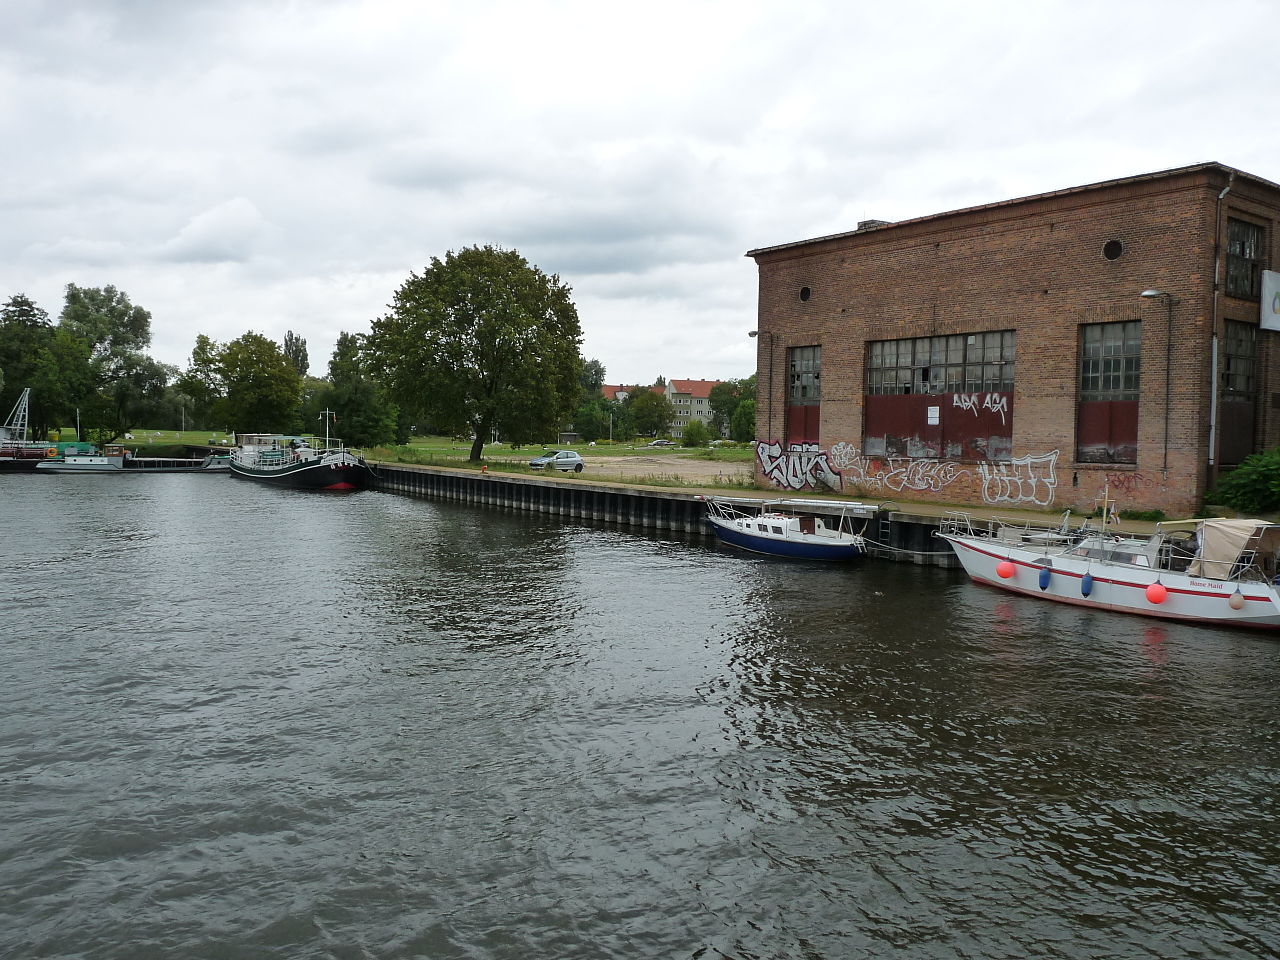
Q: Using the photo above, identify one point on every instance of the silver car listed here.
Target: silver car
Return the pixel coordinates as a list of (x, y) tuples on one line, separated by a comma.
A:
[(558, 460)]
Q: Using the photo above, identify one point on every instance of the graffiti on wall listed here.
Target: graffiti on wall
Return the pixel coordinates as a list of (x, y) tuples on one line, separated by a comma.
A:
[(995, 402), (1020, 480), (895, 473), (1130, 482), (1030, 480), (801, 466)]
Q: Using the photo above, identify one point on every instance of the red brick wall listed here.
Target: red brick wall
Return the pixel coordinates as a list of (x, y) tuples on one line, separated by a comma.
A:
[(1035, 266)]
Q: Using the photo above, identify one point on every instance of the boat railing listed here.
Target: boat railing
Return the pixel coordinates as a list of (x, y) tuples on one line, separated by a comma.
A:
[(1010, 530)]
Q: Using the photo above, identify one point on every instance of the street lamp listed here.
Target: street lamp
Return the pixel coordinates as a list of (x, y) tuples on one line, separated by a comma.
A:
[(1153, 294)]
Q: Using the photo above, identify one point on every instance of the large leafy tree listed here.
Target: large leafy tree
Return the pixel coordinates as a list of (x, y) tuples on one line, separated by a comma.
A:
[(25, 337), (114, 328), (125, 379), (725, 398), (592, 377), (485, 342), (202, 381), (295, 348), (743, 425), (263, 389), (133, 395), (651, 412), (367, 417)]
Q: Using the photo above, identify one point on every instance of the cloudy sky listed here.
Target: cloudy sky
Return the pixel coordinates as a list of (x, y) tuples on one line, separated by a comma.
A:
[(276, 166)]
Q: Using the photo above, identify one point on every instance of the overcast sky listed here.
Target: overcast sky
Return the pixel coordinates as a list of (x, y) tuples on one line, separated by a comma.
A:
[(276, 166)]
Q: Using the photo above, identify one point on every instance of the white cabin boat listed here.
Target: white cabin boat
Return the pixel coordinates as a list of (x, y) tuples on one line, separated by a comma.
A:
[(797, 529), (1217, 571)]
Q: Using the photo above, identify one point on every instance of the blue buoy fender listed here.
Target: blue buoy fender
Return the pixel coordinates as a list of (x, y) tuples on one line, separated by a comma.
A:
[(1086, 584)]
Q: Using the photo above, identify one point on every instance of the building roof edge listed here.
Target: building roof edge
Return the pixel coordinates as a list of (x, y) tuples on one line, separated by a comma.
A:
[(1157, 175)]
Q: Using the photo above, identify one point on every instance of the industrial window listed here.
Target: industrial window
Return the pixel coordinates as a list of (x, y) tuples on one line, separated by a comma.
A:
[(1239, 353), (1110, 361), (1110, 376), (804, 395), (964, 363), (1238, 414), (947, 397), (1244, 259), (804, 383)]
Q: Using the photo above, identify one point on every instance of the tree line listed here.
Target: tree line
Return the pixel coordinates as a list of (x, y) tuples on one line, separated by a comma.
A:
[(479, 344)]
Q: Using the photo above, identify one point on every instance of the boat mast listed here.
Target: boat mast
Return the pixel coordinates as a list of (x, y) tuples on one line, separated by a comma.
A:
[(325, 415), (17, 422)]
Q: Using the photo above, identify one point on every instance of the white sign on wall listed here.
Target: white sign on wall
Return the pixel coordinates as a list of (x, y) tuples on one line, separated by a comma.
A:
[(1270, 318), (934, 415)]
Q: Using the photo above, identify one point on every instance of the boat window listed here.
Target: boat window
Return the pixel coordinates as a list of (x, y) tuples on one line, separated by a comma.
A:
[(777, 530)]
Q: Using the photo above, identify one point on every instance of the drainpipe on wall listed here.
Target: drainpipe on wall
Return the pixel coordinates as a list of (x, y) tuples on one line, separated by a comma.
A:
[(1213, 333)]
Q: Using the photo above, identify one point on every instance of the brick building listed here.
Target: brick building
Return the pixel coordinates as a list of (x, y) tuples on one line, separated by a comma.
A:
[(1031, 351)]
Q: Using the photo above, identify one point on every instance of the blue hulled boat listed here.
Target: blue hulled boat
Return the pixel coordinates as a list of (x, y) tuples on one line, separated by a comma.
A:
[(797, 529)]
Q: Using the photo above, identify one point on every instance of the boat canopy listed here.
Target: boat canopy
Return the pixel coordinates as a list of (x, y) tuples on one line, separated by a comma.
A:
[(1224, 543)]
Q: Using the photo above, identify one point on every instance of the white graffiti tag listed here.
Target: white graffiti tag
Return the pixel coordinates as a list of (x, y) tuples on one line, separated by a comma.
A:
[(995, 402), (1020, 480), (801, 466), (894, 473)]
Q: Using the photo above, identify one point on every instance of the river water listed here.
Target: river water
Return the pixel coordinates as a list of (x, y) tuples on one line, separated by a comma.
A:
[(248, 723)]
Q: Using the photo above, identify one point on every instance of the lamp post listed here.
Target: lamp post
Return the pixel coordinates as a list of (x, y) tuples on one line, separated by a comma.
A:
[(1168, 360)]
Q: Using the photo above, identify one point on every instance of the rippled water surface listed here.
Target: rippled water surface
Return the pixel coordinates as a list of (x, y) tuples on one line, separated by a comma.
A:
[(248, 723)]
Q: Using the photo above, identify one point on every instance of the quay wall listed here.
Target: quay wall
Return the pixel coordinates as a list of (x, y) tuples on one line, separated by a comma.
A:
[(891, 534)]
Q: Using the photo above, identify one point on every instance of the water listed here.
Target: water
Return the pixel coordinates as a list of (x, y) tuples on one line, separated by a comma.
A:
[(249, 723)]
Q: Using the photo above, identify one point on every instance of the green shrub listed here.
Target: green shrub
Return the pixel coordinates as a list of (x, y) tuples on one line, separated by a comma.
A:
[(1254, 486), (696, 434)]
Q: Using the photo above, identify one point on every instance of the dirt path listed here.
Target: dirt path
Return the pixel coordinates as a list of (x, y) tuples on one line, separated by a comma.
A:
[(667, 466)]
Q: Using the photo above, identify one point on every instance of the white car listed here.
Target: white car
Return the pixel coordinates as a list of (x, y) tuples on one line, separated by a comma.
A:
[(661, 443), (558, 460)]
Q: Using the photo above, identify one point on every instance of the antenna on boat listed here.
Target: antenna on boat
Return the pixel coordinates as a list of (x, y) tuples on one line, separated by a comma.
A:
[(1107, 507), (325, 415)]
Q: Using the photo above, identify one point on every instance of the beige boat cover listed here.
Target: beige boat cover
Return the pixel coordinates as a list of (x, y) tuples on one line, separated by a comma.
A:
[(1222, 542)]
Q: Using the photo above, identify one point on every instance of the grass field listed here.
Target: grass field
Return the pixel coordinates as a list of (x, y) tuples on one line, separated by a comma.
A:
[(630, 461)]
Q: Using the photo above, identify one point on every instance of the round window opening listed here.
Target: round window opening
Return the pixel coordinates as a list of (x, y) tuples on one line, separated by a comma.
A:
[(805, 293), (1112, 249)]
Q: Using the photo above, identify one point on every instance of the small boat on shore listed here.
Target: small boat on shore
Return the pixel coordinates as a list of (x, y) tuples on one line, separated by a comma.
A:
[(797, 529), (118, 459), (1217, 571), (299, 462), (17, 451)]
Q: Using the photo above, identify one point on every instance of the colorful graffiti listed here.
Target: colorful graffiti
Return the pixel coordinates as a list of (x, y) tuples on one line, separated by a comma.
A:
[(800, 467)]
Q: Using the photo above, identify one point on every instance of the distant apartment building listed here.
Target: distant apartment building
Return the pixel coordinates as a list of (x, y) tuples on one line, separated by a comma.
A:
[(689, 399)]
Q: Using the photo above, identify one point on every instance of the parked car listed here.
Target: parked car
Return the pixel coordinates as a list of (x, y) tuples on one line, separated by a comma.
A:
[(558, 460), (661, 443)]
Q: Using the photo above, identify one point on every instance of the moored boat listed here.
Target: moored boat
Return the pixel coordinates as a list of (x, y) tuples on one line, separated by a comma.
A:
[(17, 451), (114, 458), (1217, 571), (797, 529), (298, 462)]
